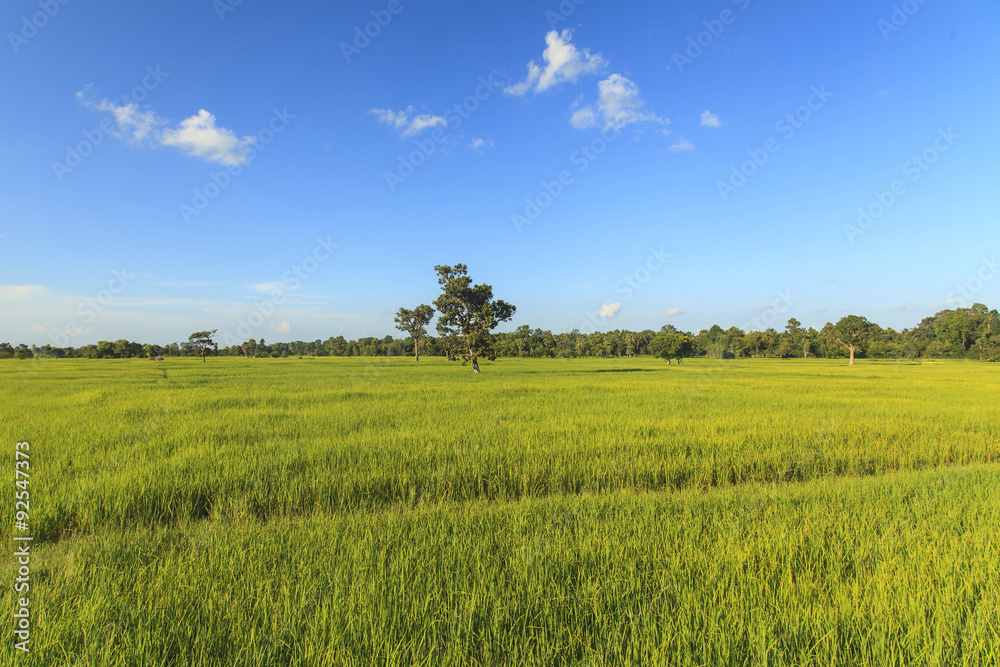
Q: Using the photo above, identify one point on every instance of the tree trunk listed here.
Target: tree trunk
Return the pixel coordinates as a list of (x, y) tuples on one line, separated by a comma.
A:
[(852, 355), (416, 349), (203, 356), (475, 364)]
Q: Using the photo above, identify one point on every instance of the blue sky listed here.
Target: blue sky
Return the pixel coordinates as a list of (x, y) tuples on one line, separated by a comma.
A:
[(271, 171)]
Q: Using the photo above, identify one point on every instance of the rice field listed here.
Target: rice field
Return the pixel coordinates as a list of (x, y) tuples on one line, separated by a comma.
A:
[(372, 511)]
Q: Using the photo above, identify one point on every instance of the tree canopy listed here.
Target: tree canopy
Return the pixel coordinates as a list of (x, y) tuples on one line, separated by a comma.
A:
[(201, 342), (669, 346), (414, 322), (468, 315), (853, 332)]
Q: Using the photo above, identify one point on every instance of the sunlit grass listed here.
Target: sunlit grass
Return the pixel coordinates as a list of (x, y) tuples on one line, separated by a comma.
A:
[(374, 511)]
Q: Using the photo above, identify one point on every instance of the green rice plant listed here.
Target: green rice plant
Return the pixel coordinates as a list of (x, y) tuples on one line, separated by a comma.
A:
[(560, 512)]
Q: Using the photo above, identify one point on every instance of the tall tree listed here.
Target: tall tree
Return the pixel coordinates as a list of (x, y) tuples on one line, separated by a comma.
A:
[(852, 332), (469, 313), (201, 341), (414, 322)]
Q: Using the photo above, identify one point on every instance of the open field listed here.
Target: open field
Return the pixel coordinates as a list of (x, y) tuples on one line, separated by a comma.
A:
[(379, 511)]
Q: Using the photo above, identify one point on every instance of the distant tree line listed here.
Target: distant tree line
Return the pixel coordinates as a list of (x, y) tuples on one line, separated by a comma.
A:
[(961, 333)]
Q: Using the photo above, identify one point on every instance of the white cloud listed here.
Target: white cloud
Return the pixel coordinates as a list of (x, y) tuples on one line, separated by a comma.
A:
[(680, 146), (563, 63), (423, 122), (480, 143), (199, 136), (675, 311), (284, 327), (618, 104), (401, 120), (609, 310), (709, 119)]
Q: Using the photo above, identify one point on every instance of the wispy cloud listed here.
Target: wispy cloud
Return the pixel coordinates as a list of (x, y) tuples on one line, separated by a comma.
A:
[(709, 119), (134, 126), (562, 62), (583, 118), (269, 288), (680, 146), (670, 312), (20, 292), (942, 304), (407, 123), (479, 144), (198, 135)]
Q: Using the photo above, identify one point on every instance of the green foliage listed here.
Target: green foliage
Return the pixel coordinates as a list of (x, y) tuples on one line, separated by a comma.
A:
[(669, 346), (200, 342), (414, 322), (969, 333), (469, 314)]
